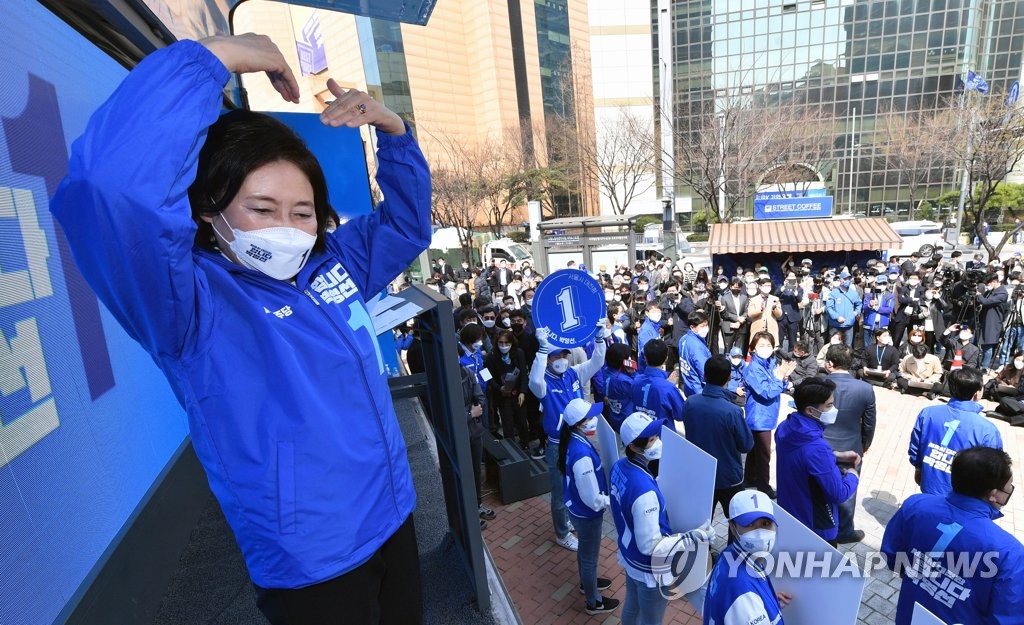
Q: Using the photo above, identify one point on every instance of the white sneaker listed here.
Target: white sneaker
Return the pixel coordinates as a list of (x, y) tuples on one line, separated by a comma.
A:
[(572, 528), (569, 542)]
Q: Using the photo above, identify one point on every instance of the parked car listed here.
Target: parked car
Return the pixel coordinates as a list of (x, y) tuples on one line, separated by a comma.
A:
[(917, 235)]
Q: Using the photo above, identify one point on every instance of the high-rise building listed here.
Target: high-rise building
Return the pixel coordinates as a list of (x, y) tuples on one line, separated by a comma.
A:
[(859, 59), (478, 71)]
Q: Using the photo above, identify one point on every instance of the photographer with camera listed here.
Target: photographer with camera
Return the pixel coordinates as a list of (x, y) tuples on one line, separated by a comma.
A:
[(957, 338), (908, 308), (1013, 324), (790, 299), (992, 299), (878, 306), (935, 307)]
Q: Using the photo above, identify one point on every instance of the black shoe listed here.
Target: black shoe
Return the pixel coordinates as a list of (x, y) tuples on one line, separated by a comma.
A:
[(486, 514), (855, 537), (538, 453), (606, 604), (483, 525), (602, 584)]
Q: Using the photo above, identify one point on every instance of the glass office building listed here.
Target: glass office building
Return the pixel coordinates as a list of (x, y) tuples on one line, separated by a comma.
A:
[(860, 59)]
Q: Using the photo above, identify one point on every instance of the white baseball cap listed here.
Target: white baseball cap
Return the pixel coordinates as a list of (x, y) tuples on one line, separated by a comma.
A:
[(638, 425), (580, 409), (748, 506)]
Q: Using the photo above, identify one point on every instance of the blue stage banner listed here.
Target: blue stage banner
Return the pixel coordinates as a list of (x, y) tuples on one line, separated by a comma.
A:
[(87, 421), (793, 208)]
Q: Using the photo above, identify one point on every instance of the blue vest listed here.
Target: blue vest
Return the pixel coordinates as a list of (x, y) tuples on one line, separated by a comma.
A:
[(940, 432), (629, 482), (618, 397), (580, 447), (475, 362), (655, 396), (724, 589), (561, 389)]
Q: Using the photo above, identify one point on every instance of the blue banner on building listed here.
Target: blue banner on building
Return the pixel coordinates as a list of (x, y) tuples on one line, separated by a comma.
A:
[(793, 208)]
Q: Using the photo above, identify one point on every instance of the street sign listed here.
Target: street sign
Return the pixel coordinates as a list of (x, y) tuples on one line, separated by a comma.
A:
[(1013, 94), (793, 208), (569, 303)]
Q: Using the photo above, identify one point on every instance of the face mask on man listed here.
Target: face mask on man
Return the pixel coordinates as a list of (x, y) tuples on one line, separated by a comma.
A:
[(965, 337), (488, 323), (277, 252), (702, 331), (736, 361), (506, 322), (829, 416), (561, 365), (654, 316)]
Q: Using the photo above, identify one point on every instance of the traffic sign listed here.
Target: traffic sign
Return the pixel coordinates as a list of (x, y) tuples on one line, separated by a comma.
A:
[(569, 303), (1013, 93)]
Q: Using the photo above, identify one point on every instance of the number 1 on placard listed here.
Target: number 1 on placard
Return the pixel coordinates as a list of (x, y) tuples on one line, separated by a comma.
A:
[(565, 301)]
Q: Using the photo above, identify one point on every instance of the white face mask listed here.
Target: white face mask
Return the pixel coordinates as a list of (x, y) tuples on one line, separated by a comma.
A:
[(764, 352), (654, 316), (736, 361), (758, 541), (561, 365), (477, 346), (504, 349), (915, 339), (766, 289), (529, 302), (277, 252), (654, 451), (965, 336), (1019, 364), (702, 332), (488, 323), (589, 427), (829, 416), (506, 322), (913, 283)]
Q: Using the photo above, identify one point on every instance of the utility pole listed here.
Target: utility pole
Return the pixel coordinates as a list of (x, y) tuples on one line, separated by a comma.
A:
[(667, 113)]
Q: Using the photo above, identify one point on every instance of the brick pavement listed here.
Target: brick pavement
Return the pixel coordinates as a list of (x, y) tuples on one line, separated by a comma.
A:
[(541, 577)]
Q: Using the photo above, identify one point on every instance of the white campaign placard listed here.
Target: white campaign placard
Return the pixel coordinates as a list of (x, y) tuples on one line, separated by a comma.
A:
[(819, 577), (686, 477), (608, 446), (923, 616)]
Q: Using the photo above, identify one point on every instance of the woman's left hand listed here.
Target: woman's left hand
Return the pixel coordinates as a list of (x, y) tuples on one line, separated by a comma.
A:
[(784, 598), (353, 108)]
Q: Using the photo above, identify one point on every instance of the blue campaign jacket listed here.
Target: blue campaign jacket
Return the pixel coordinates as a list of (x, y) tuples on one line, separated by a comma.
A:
[(618, 396), (874, 319), (716, 425), (941, 431), (693, 353), (959, 529), (735, 376), (746, 597), (580, 448), (764, 393), (845, 304), (628, 483), (810, 484), (648, 331), (474, 361), (288, 405), (655, 395)]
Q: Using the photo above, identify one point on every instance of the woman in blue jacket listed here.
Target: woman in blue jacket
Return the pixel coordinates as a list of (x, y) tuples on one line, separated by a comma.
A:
[(764, 380), (586, 496), (204, 235)]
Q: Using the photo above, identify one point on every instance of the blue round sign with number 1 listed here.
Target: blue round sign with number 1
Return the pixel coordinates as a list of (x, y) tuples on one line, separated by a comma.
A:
[(569, 303)]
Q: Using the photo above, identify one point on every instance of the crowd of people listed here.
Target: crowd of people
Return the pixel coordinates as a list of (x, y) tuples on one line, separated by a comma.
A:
[(715, 352)]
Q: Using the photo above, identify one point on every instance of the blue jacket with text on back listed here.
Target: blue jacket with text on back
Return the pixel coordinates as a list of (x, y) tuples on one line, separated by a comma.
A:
[(716, 425), (811, 486), (959, 531), (618, 396), (740, 592), (656, 396), (693, 354), (288, 405), (941, 431)]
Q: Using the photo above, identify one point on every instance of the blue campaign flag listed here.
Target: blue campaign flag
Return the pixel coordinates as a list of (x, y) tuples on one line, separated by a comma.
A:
[(569, 303), (792, 208), (1013, 94), (975, 82)]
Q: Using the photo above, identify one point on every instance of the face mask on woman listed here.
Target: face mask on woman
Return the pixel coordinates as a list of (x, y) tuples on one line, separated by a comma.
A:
[(277, 252), (764, 352), (654, 316), (477, 346), (504, 349), (654, 451), (736, 361), (505, 321), (758, 541), (561, 365), (589, 427), (1019, 364)]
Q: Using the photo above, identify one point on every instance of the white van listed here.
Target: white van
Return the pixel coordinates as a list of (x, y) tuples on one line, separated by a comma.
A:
[(917, 234)]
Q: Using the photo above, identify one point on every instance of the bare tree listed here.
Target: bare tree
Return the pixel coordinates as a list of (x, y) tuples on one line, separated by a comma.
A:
[(456, 192), (916, 145), (991, 141), (622, 159)]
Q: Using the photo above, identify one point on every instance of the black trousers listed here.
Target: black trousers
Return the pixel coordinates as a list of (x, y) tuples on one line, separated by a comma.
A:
[(384, 590)]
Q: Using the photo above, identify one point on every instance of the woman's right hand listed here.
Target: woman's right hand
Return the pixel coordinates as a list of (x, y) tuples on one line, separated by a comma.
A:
[(250, 53)]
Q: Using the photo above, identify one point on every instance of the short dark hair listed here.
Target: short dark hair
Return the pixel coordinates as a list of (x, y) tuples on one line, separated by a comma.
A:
[(964, 383), (920, 350), (616, 355), (696, 318), (761, 335), (480, 301), (717, 370), (518, 312), (471, 333), (655, 352), (880, 331), (977, 470), (465, 299), (465, 315), (812, 392), (802, 346), (236, 145), (841, 356), (651, 305), (991, 277)]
